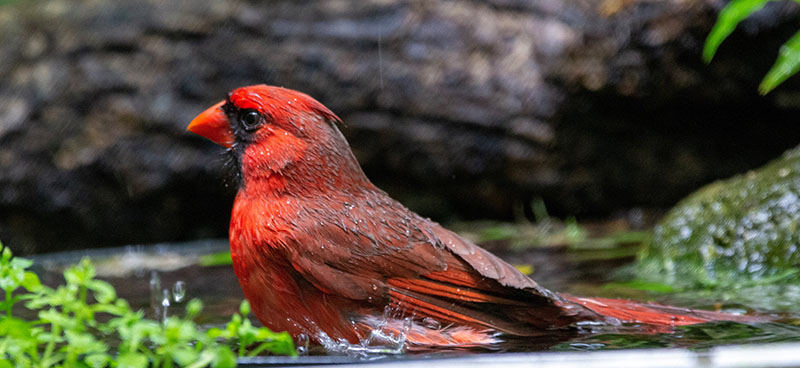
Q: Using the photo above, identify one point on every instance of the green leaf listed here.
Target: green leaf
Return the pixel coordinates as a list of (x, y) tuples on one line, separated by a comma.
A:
[(111, 309), (97, 360), (12, 272), (81, 273), (735, 12), (788, 64), (14, 327), (79, 341), (224, 358), (206, 358), (244, 307), (277, 343), (103, 291), (57, 318), (132, 360), (31, 282), (214, 333), (5, 254), (83, 343), (21, 263), (184, 356), (193, 308)]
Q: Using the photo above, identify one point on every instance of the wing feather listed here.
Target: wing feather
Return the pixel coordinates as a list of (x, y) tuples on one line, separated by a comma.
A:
[(380, 251)]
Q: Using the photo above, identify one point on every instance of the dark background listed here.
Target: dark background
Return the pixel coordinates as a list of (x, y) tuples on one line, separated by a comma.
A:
[(460, 109)]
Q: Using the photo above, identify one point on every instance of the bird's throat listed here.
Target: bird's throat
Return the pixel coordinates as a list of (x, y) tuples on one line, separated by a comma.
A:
[(265, 185), (264, 163)]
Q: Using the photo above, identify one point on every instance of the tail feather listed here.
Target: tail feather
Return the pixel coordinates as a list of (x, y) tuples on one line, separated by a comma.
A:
[(627, 311)]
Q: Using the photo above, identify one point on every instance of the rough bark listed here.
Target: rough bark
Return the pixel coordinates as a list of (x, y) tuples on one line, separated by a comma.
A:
[(458, 108)]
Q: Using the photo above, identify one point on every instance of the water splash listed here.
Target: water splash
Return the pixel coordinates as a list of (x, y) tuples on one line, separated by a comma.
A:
[(155, 294), (395, 332), (431, 323), (387, 335), (162, 298), (164, 305), (302, 341), (179, 291)]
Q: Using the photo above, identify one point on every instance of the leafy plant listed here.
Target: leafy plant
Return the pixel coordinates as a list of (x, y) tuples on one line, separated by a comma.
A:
[(84, 324), (788, 62)]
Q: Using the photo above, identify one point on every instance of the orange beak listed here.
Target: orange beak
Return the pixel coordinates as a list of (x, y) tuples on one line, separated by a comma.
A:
[(213, 124)]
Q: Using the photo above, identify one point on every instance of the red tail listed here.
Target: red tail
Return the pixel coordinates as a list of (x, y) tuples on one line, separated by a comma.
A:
[(655, 314)]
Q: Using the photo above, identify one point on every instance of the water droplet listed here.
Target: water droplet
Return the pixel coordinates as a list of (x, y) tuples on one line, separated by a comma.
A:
[(165, 299), (407, 323), (164, 305), (178, 291), (349, 205), (155, 294), (431, 323), (302, 344)]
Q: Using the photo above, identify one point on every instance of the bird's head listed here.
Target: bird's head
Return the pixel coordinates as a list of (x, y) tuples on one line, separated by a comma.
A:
[(274, 131)]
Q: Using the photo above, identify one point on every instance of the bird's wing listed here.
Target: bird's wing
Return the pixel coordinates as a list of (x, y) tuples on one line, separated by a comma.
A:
[(379, 251)]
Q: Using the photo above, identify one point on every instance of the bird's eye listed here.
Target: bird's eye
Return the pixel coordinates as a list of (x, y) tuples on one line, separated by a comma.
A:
[(249, 119)]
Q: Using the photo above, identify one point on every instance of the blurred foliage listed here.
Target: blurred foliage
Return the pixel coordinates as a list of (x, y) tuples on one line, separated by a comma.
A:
[(656, 287), (543, 231), (216, 259), (585, 243), (74, 330), (788, 61), (526, 269)]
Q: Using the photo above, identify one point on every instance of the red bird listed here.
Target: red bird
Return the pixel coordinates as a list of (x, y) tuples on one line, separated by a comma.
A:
[(319, 250)]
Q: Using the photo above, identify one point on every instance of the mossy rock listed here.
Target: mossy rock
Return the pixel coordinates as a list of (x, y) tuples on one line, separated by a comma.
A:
[(739, 231)]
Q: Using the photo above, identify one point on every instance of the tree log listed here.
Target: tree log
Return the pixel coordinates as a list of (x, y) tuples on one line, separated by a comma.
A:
[(460, 109)]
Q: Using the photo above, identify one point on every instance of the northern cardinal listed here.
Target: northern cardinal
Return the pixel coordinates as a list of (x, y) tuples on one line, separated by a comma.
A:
[(319, 250)]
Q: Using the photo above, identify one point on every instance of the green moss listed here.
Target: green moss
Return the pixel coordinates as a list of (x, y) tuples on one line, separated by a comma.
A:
[(740, 231)]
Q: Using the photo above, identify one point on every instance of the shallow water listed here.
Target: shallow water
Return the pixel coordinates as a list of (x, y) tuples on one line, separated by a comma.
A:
[(161, 278)]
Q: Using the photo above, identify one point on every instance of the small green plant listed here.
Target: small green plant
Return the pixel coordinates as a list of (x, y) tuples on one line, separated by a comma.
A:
[(788, 62), (78, 322)]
